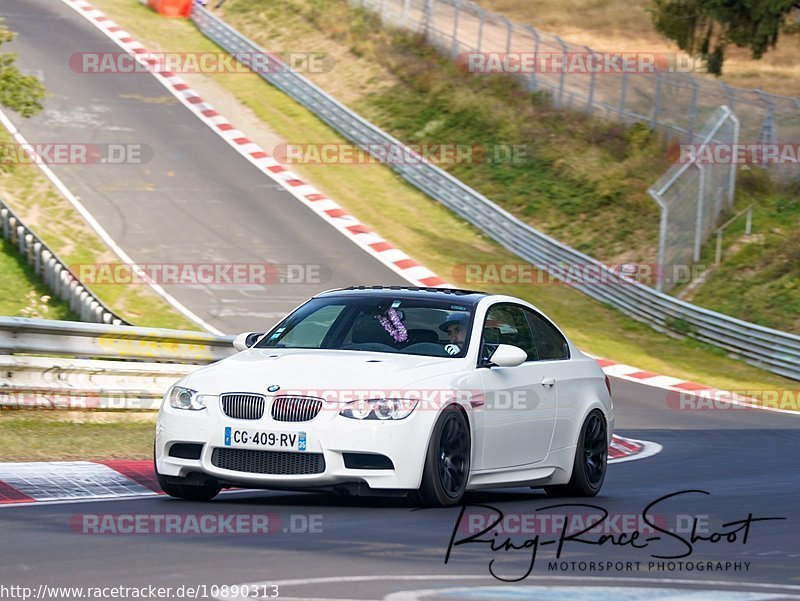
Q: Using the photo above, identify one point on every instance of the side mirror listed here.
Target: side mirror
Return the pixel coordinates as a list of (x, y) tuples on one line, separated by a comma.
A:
[(246, 339), (506, 355)]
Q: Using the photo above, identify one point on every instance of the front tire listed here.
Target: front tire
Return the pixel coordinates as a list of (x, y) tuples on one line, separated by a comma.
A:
[(447, 462), (203, 491), (591, 460), (190, 492)]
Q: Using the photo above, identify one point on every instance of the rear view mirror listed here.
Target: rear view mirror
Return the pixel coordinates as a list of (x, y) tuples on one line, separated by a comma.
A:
[(246, 340)]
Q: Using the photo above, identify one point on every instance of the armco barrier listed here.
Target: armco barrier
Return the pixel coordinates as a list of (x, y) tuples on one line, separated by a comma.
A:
[(97, 366), (771, 349), (55, 273), (91, 340), (58, 383)]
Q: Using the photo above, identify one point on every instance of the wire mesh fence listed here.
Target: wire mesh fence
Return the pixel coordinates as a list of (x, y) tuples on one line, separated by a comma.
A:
[(654, 88), (692, 194)]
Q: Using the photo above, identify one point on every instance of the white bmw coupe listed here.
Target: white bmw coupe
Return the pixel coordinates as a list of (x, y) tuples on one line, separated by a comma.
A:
[(392, 390)]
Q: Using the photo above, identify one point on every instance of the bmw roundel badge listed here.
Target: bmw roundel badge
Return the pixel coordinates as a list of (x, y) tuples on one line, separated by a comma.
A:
[(273, 388)]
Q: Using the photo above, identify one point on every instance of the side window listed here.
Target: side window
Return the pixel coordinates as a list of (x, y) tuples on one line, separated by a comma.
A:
[(506, 324), (550, 344)]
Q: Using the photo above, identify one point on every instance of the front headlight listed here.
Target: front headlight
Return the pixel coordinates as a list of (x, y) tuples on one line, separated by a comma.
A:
[(382, 409), (185, 398)]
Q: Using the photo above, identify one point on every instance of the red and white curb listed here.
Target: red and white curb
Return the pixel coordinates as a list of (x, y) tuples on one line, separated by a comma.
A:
[(624, 449), (75, 481), (40, 482), (323, 206), (695, 394)]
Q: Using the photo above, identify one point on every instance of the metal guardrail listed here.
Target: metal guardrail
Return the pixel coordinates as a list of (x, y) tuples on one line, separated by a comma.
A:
[(771, 349), (91, 340), (28, 382), (57, 276)]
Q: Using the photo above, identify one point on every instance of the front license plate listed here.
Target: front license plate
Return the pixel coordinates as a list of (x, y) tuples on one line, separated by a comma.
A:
[(264, 439)]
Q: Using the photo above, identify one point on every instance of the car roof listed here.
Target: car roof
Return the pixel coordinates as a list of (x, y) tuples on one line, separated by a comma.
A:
[(464, 296)]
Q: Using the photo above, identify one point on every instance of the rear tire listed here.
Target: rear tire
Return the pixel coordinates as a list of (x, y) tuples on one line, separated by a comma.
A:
[(447, 462), (591, 457), (191, 492)]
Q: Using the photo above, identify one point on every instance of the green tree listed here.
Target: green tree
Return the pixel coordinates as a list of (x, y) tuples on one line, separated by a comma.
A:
[(21, 93), (706, 27)]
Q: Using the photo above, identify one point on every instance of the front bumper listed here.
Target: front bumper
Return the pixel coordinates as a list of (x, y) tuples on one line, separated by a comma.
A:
[(404, 442)]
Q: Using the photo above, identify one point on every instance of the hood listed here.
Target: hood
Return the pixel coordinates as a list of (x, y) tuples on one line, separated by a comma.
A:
[(310, 371)]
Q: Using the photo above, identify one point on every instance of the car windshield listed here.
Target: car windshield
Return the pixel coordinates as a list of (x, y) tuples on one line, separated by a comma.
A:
[(384, 324)]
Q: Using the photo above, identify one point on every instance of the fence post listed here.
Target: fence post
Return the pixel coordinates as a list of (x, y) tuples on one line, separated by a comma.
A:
[(698, 226), (532, 83), (428, 13), (563, 70), (623, 92), (767, 135), (662, 239), (457, 13), (481, 19), (692, 107), (592, 82), (656, 102), (732, 175), (406, 10), (509, 31), (729, 96)]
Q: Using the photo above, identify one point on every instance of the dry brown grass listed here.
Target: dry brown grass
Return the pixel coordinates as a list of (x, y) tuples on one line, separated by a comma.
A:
[(626, 26)]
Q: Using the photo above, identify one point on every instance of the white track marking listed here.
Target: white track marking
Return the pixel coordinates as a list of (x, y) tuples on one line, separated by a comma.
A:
[(99, 229)]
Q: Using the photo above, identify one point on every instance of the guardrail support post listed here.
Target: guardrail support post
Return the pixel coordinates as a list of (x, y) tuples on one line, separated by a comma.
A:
[(5, 215)]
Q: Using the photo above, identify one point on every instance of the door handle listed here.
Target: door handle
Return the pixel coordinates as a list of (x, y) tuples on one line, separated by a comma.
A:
[(548, 382)]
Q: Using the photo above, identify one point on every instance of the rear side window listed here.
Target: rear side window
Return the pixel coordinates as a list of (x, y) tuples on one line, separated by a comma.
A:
[(550, 344)]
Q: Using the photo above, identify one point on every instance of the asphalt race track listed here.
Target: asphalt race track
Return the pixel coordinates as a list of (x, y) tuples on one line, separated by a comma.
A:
[(199, 201), (745, 459), (196, 201)]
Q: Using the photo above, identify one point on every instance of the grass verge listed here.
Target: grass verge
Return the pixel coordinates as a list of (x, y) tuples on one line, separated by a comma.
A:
[(23, 293), (431, 233), (80, 436), (758, 278)]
